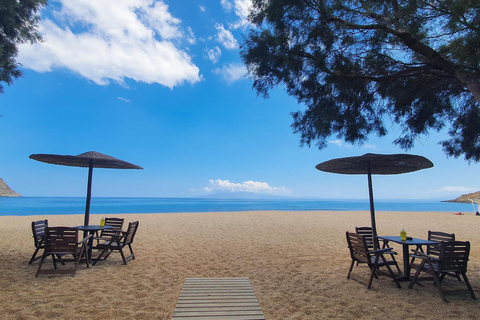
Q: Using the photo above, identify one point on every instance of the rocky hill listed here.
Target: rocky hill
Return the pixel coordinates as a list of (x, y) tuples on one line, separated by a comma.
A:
[(5, 190), (467, 198)]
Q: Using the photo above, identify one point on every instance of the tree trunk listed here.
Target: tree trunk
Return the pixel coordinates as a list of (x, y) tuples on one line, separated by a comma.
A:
[(474, 87)]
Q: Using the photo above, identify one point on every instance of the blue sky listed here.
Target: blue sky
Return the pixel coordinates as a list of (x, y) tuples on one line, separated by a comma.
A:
[(161, 84)]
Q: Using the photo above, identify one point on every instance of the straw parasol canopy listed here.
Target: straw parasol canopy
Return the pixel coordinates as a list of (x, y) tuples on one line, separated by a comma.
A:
[(97, 159), (372, 163), (378, 163), (88, 160)]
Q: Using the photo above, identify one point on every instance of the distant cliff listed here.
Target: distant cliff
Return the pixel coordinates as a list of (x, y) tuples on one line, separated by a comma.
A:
[(467, 198), (5, 190)]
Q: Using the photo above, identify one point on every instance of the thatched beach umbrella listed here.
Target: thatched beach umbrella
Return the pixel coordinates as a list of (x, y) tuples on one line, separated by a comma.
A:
[(372, 163), (88, 160)]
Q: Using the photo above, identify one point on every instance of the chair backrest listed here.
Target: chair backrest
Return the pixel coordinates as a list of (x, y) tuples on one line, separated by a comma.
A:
[(116, 223), (454, 256), (358, 247), (131, 231), (38, 230), (61, 240), (440, 237), (368, 233)]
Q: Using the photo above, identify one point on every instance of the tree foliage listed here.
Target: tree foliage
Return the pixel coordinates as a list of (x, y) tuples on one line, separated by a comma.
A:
[(18, 24), (361, 65)]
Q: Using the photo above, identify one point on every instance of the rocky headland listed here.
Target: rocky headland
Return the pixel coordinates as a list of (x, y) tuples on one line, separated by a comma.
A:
[(5, 190)]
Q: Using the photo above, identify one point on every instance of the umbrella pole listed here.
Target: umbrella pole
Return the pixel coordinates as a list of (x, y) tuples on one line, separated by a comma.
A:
[(372, 207), (89, 194)]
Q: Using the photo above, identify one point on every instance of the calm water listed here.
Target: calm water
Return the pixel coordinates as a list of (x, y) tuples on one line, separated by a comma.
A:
[(25, 206)]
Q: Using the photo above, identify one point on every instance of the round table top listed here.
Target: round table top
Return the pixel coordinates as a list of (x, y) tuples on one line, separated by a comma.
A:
[(93, 227)]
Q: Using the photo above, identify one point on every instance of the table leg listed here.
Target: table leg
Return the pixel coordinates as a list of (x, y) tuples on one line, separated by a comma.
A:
[(406, 262), (90, 245)]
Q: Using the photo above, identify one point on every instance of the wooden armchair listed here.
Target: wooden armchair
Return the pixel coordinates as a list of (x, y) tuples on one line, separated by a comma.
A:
[(434, 250), (359, 252), (106, 234), (38, 230), (60, 241), (368, 233), (453, 258), (118, 243)]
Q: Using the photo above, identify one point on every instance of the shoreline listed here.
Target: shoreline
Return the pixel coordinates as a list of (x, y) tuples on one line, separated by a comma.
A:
[(297, 262), (109, 206)]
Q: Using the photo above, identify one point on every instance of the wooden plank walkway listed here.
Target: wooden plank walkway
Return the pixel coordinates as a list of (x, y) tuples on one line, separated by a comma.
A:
[(217, 298)]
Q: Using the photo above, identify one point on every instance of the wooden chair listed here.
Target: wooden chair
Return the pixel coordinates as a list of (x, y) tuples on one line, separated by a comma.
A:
[(60, 241), (368, 233), (118, 243), (358, 245), (434, 250), (106, 234), (453, 258), (439, 237), (38, 230)]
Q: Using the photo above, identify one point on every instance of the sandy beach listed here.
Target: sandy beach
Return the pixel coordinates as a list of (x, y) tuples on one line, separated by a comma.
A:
[(297, 263)]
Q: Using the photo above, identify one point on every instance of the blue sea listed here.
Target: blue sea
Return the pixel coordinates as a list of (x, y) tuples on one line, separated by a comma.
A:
[(25, 206)]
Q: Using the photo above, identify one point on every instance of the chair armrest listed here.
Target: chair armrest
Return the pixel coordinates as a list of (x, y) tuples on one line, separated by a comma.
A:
[(86, 238), (384, 250), (118, 238), (422, 255)]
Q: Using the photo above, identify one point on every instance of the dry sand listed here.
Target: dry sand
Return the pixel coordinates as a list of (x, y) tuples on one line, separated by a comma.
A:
[(297, 263)]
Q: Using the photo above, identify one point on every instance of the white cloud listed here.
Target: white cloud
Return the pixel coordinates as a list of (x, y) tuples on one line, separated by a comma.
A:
[(340, 143), (214, 54), (232, 72), (246, 186), (459, 189), (225, 37), (241, 8), (337, 142), (369, 146), (112, 40), (226, 4), (202, 8), (123, 99)]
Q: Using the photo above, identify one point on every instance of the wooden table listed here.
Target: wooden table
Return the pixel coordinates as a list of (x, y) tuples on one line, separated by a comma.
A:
[(217, 298), (91, 229), (405, 244)]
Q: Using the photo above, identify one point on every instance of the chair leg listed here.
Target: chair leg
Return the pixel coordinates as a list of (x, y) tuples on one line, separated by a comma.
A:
[(59, 258), (392, 274), (469, 286), (131, 251), (437, 281), (34, 255), (100, 257), (351, 268), (54, 261), (123, 256), (375, 273), (396, 264), (372, 273), (40, 265), (439, 286), (87, 258), (419, 248), (412, 282)]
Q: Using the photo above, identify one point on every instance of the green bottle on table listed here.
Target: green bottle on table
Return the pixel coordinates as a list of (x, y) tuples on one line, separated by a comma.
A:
[(102, 222), (403, 235)]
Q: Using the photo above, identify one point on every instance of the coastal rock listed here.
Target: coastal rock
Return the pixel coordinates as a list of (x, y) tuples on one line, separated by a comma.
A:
[(467, 198), (5, 190)]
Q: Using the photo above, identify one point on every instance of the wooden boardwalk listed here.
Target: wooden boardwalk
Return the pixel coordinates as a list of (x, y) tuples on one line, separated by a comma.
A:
[(217, 298)]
